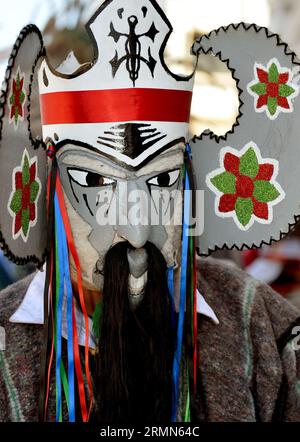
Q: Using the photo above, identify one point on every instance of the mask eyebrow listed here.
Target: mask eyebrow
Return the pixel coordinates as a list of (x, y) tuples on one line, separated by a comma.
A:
[(74, 156), (165, 162), (93, 163)]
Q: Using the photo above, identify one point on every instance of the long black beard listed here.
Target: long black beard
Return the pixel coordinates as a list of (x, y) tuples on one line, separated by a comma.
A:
[(133, 369)]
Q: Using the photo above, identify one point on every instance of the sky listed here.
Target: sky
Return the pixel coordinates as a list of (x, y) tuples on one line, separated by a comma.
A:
[(14, 16), (18, 13), (206, 15), (211, 14)]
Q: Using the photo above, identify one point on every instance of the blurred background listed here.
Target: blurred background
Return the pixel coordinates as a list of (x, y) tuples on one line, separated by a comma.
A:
[(215, 102)]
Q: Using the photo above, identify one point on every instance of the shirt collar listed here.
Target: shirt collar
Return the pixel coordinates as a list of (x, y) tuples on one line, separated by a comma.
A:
[(31, 310)]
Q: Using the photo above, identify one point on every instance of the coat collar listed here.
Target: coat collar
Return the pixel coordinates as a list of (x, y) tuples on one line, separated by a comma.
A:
[(31, 310)]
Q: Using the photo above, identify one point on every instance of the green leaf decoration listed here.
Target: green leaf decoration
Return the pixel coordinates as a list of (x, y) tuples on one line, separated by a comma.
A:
[(182, 171), (244, 210), (273, 74), (249, 164), (34, 190), (25, 171), (97, 316), (224, 182), (272, 105), (285, 90), (18, 80), (259, 88), (16, 202), (264, 191), (22, 97), (25, 221), (12, 99)]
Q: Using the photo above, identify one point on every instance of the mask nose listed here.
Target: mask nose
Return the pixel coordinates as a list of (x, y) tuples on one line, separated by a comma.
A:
[(138, 262), (133, 220)]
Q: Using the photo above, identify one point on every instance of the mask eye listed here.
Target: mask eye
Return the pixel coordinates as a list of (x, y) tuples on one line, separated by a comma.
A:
[(165, 179), (89, 179)]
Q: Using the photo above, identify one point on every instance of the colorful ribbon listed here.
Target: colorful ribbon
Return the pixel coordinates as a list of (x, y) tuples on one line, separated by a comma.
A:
[(182, 301), (71, 247), (58, 311)]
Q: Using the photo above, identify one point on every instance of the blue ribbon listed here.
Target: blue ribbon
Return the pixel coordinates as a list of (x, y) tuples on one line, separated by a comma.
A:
[(183, 280), (188, 151), (170, 281), (64, 279), (70, 328), (59, 307)]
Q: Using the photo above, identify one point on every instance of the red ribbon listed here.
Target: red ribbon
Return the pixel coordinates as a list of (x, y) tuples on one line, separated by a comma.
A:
[(72, 248), (195, 317), (116, 105), (52, 343), (51, 309)]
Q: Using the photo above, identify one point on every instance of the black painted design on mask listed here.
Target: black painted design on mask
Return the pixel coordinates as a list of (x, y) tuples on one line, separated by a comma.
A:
[(131, 139), (45, 78), (72, 188), (133, 48), (87, 204)]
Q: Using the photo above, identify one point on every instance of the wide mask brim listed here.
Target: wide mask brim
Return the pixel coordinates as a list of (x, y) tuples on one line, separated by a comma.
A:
[(250, 175), (23, 164)]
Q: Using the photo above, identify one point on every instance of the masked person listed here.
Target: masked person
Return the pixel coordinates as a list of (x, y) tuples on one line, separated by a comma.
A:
[(125, 324)]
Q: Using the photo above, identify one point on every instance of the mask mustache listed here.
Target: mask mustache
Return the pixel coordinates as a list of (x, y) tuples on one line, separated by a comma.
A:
[(138, 264), (133, 370)]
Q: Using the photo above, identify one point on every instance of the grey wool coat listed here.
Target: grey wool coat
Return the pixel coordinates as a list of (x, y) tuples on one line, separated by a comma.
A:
[(249, 365)]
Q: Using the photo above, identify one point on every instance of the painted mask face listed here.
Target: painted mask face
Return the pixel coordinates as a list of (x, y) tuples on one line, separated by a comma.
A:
[(120, 123), (128, 83), (108, 202)]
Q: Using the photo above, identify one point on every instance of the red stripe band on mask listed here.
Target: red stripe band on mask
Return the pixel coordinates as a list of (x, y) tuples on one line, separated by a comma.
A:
[(116, 105)]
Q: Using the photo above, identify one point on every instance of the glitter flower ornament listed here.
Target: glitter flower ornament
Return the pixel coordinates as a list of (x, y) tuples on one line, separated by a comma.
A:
[(23, 200), (17, 99), (273, 89), (245, 186)]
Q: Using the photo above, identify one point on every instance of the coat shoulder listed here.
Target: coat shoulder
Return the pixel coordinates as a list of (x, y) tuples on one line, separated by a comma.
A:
[(233, 293), (23, 343), (12, 296)]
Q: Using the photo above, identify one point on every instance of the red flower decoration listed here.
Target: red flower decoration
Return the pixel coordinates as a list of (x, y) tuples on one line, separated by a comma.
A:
[(23, 200), (272, 89), (244, 186), (17, 99)]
